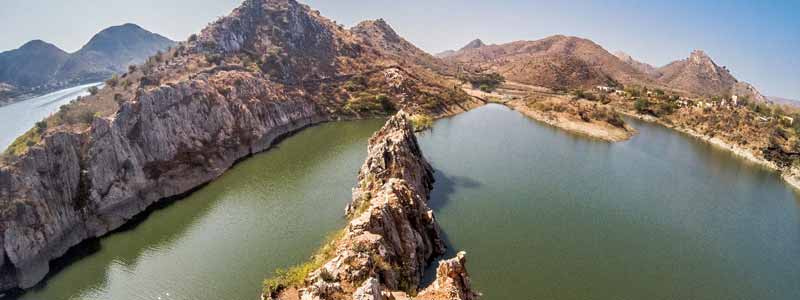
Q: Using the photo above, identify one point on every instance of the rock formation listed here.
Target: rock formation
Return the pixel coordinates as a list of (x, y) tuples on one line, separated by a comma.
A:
[(392, 235), (270, 68)]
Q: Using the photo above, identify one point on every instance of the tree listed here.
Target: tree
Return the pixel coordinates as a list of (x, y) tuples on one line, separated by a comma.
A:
[(93, 90), (642, 105), (41, 126)]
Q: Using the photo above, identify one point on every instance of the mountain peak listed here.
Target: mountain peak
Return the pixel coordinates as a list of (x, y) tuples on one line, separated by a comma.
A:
[(475, 44), (379, 25), (699, 56), (39, 45)]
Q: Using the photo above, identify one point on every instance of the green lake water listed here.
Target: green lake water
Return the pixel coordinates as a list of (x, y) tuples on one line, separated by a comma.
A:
[(541, 213)]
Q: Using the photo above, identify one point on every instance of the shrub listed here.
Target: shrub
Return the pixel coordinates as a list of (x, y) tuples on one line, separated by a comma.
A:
[(93, 90), (421, 122), (41, 126), (296, 275), (131, 68), (486, 82), (113, 81), (192, 38), (666, 108), (214, 58), (642, 105), (615, 120), (366, 103), (23, 143)]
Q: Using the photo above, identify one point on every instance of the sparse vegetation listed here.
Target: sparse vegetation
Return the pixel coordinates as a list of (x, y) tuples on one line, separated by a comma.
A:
[(421, 122), (93, 90), (485, 82), (113, 81), (367, 103), (296, 275)]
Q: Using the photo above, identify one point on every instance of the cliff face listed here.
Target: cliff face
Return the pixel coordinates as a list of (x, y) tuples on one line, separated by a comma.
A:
[(184, 117), (392, 235), (169, 141)]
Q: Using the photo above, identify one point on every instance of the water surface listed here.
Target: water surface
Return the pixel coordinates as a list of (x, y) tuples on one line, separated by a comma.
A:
[(270, 211), (547, 215), (542, 214), (18, 118)]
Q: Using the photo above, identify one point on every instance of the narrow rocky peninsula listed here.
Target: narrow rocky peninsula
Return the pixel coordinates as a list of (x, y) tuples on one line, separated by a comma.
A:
[(187, 115), (391, 237)]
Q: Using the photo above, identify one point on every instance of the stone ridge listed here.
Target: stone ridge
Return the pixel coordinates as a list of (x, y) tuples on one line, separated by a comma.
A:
[(392, 235)]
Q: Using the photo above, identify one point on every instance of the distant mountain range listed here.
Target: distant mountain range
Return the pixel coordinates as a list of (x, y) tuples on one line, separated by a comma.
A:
[(571, 62), (784, 101), (39, 67)]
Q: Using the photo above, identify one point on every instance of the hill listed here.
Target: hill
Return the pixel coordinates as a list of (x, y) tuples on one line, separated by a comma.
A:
[(557, 62), (39, 67)]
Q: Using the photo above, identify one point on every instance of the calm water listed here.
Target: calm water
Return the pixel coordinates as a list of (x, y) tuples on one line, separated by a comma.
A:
[(542, 214), (546, 215), (271, 211), (18, 118)]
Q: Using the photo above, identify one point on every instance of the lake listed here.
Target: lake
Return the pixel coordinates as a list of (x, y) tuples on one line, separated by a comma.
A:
[(541, 213), (18, 118)]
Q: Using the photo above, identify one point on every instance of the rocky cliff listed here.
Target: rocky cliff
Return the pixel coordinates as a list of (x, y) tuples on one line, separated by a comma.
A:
[(167, 142), (183, 118), (392, 235)]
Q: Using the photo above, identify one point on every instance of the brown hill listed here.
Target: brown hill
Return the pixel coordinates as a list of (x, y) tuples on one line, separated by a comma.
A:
[(555, 62), (697, 74), (642, 67)]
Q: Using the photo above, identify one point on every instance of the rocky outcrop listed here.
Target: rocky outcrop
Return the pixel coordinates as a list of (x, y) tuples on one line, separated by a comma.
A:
[(185, 117), (392, 235), (165, 143)]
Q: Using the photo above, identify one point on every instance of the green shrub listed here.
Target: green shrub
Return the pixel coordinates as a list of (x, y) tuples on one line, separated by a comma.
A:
[(24, 142), (421, 122), (642, 105), (367, 103), (93, 90), (295, 276), (487, 82), (41, 126)]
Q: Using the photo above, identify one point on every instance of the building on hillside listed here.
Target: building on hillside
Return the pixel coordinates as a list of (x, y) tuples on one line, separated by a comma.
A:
[(789, 120), (735, 100), (606, 89)]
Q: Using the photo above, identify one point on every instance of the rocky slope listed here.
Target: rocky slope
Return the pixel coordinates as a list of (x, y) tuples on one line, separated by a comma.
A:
[(111, 51), (183, 118), (392, 235), (698, 74), (555, 62), (39, 67), (640, 66)]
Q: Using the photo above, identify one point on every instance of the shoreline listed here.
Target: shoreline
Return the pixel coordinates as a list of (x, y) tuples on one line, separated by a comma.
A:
[(593, 130), (789, 175)]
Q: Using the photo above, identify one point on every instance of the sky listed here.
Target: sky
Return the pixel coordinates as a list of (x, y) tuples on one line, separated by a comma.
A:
[(759, 41)]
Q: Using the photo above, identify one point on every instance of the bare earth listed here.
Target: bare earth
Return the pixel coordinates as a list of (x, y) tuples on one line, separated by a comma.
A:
[(557, 110)]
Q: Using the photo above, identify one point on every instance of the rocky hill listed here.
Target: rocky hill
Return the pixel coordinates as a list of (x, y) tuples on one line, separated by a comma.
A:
[(33, 64), (475, 44), (555, 62), (563, 62), (392, 235), (640, 66), (182, 118), (38, 67), (698, 74), (111, 51)]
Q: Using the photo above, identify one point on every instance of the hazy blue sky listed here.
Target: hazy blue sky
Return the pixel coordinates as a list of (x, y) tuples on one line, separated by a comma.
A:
[(758, 40)]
